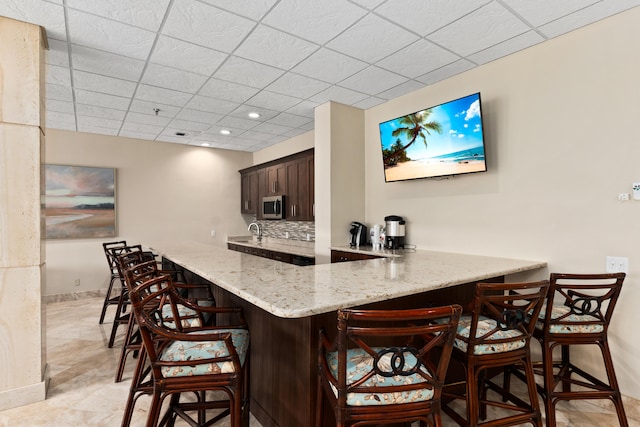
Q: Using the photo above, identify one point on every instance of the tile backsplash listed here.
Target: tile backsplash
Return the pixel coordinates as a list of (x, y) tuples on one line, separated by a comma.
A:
[(297, 230)]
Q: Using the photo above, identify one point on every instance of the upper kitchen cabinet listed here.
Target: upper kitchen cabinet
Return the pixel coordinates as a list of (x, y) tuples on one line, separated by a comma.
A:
[(249, 190), (299, 201), (290, 176), (276, 180)]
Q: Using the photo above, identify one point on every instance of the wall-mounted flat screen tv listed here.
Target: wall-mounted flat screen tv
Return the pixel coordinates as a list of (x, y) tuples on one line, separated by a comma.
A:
[(440, 141)]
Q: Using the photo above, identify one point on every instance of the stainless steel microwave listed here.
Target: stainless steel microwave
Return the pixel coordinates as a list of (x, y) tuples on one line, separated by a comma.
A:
[(273, 207)]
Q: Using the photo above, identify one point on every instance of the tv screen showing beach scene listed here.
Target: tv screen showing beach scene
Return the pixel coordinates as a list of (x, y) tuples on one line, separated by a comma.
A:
[(440, 141)]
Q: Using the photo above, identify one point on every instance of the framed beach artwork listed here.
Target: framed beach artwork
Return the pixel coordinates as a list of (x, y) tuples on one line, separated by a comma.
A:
[(79, 202)]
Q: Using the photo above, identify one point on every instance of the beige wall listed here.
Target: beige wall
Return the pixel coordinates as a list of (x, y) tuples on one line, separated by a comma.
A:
[(285, 148), (163, 191), (560, 122)]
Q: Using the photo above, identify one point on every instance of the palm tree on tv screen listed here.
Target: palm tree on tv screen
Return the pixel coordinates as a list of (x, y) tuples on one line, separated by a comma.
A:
[(413, 126)]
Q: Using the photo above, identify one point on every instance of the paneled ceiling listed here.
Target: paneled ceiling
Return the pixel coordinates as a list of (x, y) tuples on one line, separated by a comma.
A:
[(183, 71)]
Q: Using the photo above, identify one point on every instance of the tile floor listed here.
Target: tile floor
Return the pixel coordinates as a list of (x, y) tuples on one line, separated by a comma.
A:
[(82, 391)]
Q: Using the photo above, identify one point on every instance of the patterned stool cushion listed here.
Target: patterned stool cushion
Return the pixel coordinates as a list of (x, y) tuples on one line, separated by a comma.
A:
[(485, 325), (190, 319), (565, 328), (189, 350), (360, 362)]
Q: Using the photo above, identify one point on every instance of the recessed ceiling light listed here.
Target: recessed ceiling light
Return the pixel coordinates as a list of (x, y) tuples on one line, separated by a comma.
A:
[(180, 134), (225, 132), (254, 115), (205, 144)]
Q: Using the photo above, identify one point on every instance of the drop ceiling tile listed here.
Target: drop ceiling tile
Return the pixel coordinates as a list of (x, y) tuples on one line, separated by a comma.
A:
[(55, 119), (329, 66), (255, 9), (101, 99), (48, 15), (84, 121), (587, 16), (291, 120), (369, 4), (97, 130), (257, 136), (426, 17), (198, 116), (162, 96), (98, 83), (272, 47), (139, 127), (507, 47), (273, 101), (372, 101), (401, 89), (247, 73), (104, 34), (107, 64), (339, 94), (417, 59), (173, 139), (138, 135), (178, 134), (229, 91), (58, 75), (59, 106), (147, 107), (206, 25), (189, 125), (447, 71), (53, 124), (372, 80), (372, 39), (61, 93), (304, 108), (95, 111), (237, 123), (243, 112), (318, 21), (544, 11), (486, 27), (172, 78), (147, 119), (57, 54), (212, 105), (147, 14), (186, 56), (297, 85)]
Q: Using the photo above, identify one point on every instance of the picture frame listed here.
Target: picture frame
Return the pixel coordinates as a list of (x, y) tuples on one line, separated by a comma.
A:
[(79, 202)]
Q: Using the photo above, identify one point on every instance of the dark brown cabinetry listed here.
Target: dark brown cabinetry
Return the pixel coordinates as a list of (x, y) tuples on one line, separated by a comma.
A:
[(249, 189), (275, 255), (344, 256), (291, 176)]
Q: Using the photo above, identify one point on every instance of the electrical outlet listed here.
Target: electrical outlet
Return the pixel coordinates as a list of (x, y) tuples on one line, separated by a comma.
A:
[(623, 197), (213, 233), (617, 264), (76, 282)]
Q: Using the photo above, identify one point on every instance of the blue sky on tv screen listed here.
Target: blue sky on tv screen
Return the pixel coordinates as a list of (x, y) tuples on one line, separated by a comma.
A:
[(461, 130)]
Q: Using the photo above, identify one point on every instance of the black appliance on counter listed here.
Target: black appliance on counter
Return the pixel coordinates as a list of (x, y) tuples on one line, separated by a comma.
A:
[(358, 234)]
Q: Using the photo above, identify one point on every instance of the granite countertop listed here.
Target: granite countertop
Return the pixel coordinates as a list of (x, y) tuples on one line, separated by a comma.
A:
[(288, 246), (290, 291)]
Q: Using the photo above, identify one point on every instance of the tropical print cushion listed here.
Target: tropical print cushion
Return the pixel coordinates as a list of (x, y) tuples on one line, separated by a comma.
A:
[(486, 325), (566, 327), (198, 350), (189, 318), (359, 363)]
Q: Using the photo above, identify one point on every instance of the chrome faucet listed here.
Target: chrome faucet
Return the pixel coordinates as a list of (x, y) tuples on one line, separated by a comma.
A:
[(257, 229)]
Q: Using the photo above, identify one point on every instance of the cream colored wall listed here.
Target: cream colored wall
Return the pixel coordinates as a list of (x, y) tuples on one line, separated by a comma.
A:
[(560, 122), (163, 191), (23, 372), (285, 148)]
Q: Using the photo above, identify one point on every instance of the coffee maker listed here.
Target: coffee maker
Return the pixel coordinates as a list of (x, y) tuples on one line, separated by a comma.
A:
[(394, 228), (358, 234)]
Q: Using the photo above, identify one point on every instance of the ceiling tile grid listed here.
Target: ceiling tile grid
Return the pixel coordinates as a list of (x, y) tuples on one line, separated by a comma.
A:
[(182, 71)]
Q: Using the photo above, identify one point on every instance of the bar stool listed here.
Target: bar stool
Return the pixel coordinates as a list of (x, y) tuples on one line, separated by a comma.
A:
[(113, 270), (493, 336), (578, 312), (386, 366)]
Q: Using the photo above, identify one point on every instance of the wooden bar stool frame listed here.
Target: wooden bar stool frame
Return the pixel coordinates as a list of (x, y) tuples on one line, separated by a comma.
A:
[(113, 276)]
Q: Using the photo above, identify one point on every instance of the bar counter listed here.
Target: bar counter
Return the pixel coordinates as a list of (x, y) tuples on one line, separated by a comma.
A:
[(285, 306)]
